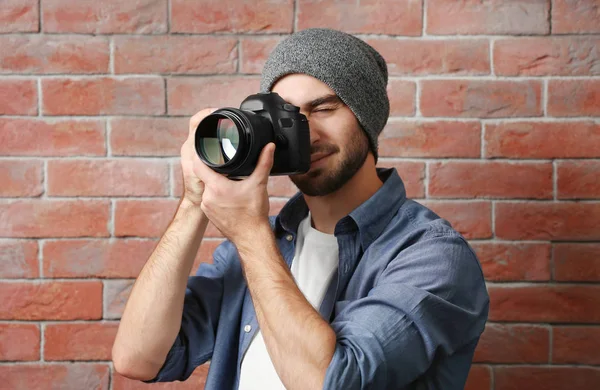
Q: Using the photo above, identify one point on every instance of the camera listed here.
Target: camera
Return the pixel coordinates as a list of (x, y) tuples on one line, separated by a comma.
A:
[(230, 140)]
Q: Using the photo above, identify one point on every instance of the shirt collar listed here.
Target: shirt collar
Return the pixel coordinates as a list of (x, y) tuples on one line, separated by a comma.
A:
[(370, 218)]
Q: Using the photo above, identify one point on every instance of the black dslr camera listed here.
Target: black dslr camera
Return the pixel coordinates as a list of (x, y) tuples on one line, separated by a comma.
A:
[(230, 140)]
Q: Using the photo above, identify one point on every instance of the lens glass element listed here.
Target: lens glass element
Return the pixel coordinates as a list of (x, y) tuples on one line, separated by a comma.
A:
[(229, 138), (223, 146)]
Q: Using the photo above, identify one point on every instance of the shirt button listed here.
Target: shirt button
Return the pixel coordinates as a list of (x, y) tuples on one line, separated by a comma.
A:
[(247, 328), (289, 237)]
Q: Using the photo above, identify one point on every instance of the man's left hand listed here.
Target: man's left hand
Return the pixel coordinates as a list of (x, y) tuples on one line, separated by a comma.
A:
[(237, 208)]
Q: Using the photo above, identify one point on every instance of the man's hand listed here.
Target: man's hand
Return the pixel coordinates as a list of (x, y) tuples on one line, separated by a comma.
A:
[(193, 187), (237, 208)]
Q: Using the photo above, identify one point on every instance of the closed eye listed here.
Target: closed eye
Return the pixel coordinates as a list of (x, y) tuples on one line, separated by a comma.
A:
[(325, 109)]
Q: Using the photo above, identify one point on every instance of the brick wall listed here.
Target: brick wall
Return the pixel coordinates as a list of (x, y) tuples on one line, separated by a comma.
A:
[(495, 125)]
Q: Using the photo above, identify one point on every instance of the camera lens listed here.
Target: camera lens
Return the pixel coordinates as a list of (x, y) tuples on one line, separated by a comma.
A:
[(230, 140)]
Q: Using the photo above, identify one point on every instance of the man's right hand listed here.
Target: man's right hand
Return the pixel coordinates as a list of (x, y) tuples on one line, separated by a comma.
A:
[(193, 187)]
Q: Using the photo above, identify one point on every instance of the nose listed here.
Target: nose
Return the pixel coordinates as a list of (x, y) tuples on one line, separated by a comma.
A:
[(313, 128), (314, 132)]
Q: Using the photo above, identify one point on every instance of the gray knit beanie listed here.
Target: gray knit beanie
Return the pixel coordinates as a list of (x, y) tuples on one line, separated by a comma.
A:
[(354, 70)]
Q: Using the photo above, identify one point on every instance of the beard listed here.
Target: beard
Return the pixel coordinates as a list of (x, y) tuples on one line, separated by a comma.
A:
[(321, 182)]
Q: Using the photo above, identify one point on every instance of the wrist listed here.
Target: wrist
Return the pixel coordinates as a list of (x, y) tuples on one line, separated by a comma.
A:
[(257, 238), (189, 209)]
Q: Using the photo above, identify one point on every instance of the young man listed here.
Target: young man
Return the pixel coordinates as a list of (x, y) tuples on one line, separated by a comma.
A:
[(351, 286)]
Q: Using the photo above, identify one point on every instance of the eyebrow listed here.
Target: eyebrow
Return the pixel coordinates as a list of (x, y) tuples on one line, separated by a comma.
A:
[(327, 99)]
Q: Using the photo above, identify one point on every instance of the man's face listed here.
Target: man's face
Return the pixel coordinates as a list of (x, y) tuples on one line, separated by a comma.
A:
[(339, 147)]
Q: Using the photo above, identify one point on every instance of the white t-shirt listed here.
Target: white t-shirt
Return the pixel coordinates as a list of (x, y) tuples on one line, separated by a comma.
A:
[(315, 261)]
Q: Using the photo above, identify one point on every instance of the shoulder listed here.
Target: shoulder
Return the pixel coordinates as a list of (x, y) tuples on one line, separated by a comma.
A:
[(424, 250)]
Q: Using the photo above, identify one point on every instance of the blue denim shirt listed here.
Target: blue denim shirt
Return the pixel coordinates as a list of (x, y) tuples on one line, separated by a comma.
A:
[(408, 302)]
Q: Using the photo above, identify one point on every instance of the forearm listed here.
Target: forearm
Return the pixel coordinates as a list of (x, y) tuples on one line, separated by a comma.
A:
[(300, 343), (152, 316)]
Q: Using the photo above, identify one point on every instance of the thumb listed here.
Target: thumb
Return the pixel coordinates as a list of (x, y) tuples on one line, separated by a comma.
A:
[(264, 165)]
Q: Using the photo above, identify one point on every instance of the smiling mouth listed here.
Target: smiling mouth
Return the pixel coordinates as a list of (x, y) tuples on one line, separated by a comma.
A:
[(319, 157)]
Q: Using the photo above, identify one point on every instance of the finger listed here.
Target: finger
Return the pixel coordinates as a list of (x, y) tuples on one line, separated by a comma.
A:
[(204, 172), (265, 164), (197, 118)]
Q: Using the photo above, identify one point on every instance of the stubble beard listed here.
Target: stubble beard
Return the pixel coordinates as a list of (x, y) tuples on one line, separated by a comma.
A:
[(321, 182)]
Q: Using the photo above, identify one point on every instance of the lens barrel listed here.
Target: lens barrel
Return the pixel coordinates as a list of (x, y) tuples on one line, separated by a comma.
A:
[(230, 140)]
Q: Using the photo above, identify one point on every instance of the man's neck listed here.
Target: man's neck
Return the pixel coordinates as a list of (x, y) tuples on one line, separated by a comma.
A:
[(327, 210)]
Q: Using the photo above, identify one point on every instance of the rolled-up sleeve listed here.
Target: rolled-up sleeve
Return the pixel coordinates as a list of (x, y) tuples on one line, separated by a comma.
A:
[(430, 300), (196, 339)]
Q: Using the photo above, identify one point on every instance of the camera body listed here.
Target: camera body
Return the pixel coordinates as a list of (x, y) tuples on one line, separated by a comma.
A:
[(291, 133), (262, 118)]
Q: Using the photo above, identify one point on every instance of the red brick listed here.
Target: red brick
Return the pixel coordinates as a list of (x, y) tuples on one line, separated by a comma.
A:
[(430, 139), (106, 16), (461, 179), (143, 218), (575, 16), (402, 97), (19, 342), (116, 293), (412, 174), (547, 378), (34, 137), (576, 345), (480, 378), (254, 53), (81, 341), (481, 99), (21, 177), (487, 17), (514, 262), (502, 343), (545, 303), (19, 259), (542, 140), (232, 16), (54, 218), (122, 177), (47, 54), (576, 262), (196, 381), (175, 54), (578, 180), (366, 17), (96, 258), (60, 376), (556, 56), (187, 96), (19, 16), (548, 221), (279, 186), (18, 97), (148, 136), (51, 300), (104, 96), (424, 57), (574, 98), (471, 219)]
